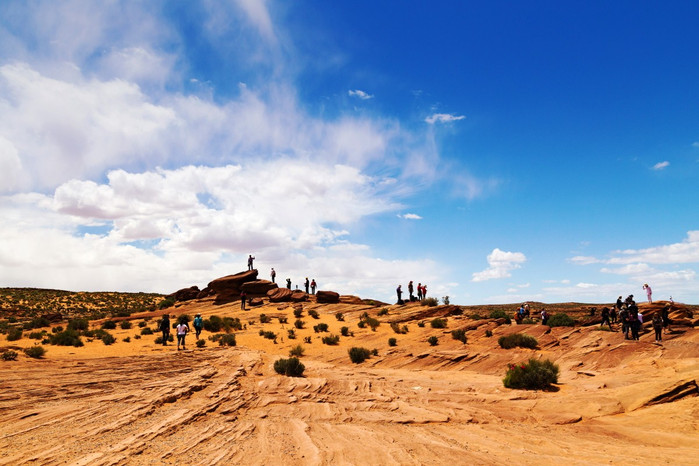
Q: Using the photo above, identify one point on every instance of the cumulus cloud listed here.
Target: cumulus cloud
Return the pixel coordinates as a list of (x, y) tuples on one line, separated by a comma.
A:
[(500, 264), (360, 94), (443, 118), (410, 216), (661, 165), (686, 251)]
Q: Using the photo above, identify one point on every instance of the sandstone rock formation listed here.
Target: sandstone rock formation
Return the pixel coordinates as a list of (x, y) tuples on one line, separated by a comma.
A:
[(227, 289), (186, 294), (258, 288), (279, 295), (327, 297)]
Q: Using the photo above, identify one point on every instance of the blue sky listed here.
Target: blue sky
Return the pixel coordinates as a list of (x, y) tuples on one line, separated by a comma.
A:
[(496, 151)]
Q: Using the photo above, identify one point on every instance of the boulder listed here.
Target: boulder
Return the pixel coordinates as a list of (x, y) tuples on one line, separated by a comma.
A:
[(256, 302), (327, 297), (53, 317), (186, 294), (349, 299), (258, 288), (227, 289), (279, 295), (299, 296)]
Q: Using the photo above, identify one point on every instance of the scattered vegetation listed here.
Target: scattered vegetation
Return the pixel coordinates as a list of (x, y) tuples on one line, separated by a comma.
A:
[(291, 334), (268, 335), (127, 340), (297, 351), (383, 312), (431, 302), (298, 313), (68, 337), (35, 352), (438, 323), (500, 314), (9, 355), (283, 320), (331, 340), (78, 324), (344, 331), (313, 313), (392, 342), (433, 340), (201, 343), (307, 340), (108, 338), (534, 375), (517, 339), (299, 324), (361, 324), (167, 302), (488, 333), (227, 339), (109, 325), (398, 329), (216, 324), (146, 331), (321, 327), (291, 367), (265, 319), (560, 320), (14, 333), (421, 324), (358, 355), (371, 322), (340, 316), (460, 335), (37, 335), (445, 300), (125, 325)]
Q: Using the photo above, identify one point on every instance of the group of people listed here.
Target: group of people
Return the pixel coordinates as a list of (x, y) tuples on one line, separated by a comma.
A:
[(421, 292), (309, 285), (182, 329)]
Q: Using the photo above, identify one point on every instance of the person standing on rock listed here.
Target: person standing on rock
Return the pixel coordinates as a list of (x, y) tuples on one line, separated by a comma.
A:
[(605, 317), (658, 326), (666, 318), (306, 284), (419, 292), (198, 325), (619, 303), (274, 275), (243, 297), (424, 291), (288, 283), (544, 317), (410, 290), (399, 292), (182, 330), (165, 328), (649, 292), (313, 286), (250, 259)]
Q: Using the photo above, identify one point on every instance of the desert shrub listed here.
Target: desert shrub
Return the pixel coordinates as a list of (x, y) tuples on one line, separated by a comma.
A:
[(78, 324), (142, 324), (321, 327), (227, 339), (313, 313), (331, 339), (433, 340), (283, 320), (339, 316), (364, 315), (269, 335), (299, 324), (528, 320), (296, 351), (201, 343), (291, 334), (159, 340), (9, 355), (500, 314), (392, 342), (459, 334), (68, 337), (602, 329), (560, 320), (125, 325), (57, 329), (438, 323), (183, 319), (358, 355), (109, 325), (475, 316), (213, 324), (398, 329), (291, 367), (307, 340), (137, 337), (361, 324), (36, 335), (265, 319), (167, 302), (108, 339), (122, 313), (488, 333), (534, 375), (127, 340), (372, 323), (35, 351), (383, 312), (231, 323), (421, 323), (517, 339), (344, 331), (298, 313), (146, 331), (431, 302), (375, 352), (37, 322)]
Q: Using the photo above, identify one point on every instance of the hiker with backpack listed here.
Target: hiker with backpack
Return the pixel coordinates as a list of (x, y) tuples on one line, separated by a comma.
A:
[(198, 325), (658, 326)]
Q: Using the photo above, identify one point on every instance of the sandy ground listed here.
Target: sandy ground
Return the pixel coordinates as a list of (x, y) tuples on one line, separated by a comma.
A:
[(618, 402)]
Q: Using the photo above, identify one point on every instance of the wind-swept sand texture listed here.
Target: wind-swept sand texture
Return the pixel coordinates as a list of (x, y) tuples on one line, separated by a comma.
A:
[(618, 402)]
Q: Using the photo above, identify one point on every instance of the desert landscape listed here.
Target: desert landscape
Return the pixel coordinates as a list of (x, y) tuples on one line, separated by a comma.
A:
[(126, 399)]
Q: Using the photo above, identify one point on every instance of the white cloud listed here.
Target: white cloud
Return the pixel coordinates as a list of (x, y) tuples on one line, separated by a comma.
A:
[(500, 264), (360, 94), (629, 269), (410, 216), (684, 252), (443, 118), (661, 165), (583, 260)]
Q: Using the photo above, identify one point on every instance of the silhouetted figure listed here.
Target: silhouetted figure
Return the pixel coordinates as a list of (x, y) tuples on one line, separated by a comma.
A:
[(250, 259), (288, 283), (165, 328), (605, 317), (410, 290), (243, 297), (399, 292), (274, 275), (198, 325), (666, 318), (424, 291), (658, 326), (544, 316), (306, 284), (419, 292), (313, 286)]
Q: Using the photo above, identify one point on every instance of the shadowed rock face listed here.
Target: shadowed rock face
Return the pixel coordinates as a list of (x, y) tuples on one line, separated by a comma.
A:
[(258, 288), (328, 297), (279, 295), (186, 294), (227, 289)]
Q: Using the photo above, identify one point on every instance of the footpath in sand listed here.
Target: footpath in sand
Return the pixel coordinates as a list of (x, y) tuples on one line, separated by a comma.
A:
[(618, 402)]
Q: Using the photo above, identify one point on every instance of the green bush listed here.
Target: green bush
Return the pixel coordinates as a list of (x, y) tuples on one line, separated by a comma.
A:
[(560, 320), (339, 316), (500, 314), (344, 331), (78, 324), (528, 320), (358, 355), (459, 334), (35, 352), (392, 342), (184, 319), (372, 323), (431, 302), (57, 329), (383, 312), (375, 352), (201, 343), (438, 323), (433, 341), (136, 337), (421, 324), (291, 334), (230, 323), (298, 313), (534, 375), (227, 339), (361, 324), (296, 351), (331, 340), (127, 340), (68, 337), (9, 355), (268, 335), (37, 335), (265, 319), (14, 333), (109, 325), (488, 333), (313, 313), (213, 324), (167, 302), (398, 329), (291, 367), (142, 324), (517, 339), (125, 325), (321, 327), (37, 322), (299, 324), (146, 331), (108, 339), (283, 320)]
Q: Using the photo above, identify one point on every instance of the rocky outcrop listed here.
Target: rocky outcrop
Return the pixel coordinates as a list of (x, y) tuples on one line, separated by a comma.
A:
[(227, 289), (258, 288), (279, 295), (328, 297), (53, 317), (186, 294), (349, 299), (299, 296)]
